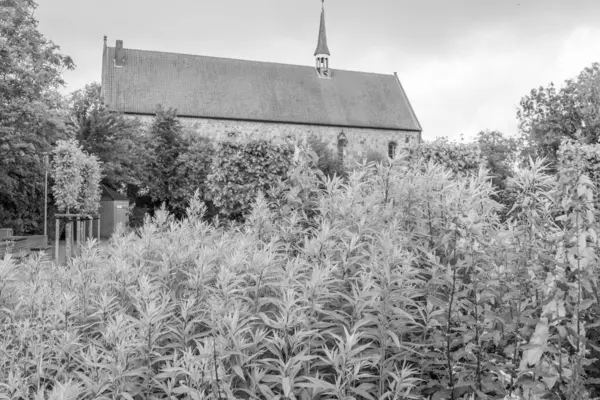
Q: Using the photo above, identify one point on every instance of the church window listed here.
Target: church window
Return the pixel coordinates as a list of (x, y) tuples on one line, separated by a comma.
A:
[(392, 149), (341, 143)]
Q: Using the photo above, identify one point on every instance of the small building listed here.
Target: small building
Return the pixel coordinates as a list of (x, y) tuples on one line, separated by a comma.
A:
[(355, 112), (114, 210)]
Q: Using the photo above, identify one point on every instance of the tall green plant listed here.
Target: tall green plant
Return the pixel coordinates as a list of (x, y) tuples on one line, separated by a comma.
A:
[(68, 161), (90, 194), (398, 282), (76, 177)]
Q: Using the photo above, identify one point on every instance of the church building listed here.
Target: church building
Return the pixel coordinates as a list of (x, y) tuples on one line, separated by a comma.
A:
[(355, 112)]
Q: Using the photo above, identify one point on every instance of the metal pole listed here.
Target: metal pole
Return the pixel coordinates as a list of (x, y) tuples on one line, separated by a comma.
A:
[(56, 244), (46, 161), (78, 237)]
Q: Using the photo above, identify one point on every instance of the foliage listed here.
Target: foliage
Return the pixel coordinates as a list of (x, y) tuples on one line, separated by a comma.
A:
[(67, 162), (399, 283), (91, 174), (76, 177), (328, 162), (502, 156), (376, 157), (176, 166), (164, 145), (460, 158), (585, 156), (548, 114), (110, 136), (241, 170), (31, 116), (191, 175)]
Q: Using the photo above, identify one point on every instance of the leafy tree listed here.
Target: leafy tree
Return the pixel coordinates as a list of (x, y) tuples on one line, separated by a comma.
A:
[(77, 177), (164, 144), (111, 136), (32, 114), (174, 168), (67, 162), (549, 114), (191, 174)]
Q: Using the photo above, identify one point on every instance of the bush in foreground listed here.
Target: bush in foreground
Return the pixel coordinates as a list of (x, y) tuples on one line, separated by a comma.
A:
[(398, 284)]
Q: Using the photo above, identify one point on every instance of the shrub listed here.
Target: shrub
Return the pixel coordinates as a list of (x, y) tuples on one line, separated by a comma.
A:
[(91, 174), (328, 161), (377, 157), (76, 178), (461, 158), (400, 283), (241, 170)]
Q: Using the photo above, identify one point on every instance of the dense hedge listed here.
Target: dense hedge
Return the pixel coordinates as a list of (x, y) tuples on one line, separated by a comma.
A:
[(458, 157), (242, 169)]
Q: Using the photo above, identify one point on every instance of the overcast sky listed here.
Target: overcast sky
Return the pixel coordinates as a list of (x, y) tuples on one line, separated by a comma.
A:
[(464, 64)]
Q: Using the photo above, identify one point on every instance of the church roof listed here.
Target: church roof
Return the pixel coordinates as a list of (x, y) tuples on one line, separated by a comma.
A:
[(322, 47), (223, 88)]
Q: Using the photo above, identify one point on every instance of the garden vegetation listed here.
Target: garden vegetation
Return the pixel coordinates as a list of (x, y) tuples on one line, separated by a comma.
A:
[(397, 283)]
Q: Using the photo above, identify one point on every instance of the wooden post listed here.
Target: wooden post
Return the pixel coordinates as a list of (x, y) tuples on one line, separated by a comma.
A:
[(56, 240), (90, 222), (68, 239), (78, 251), (98, 228)]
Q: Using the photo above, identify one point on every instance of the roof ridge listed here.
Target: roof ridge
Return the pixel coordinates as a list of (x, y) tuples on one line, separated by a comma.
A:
[(250, 61)]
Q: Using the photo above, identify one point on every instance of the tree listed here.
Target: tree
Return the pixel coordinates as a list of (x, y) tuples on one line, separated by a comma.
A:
[(164, 145), (547, 115), (109, 135), (191, 174), (77, 177), (32, 116)]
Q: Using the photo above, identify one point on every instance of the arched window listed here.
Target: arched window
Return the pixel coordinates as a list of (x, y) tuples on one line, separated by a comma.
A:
[(392, 149), (341, 143)]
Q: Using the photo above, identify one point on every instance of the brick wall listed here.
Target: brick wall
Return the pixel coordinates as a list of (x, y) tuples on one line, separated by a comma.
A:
[(359, 140)]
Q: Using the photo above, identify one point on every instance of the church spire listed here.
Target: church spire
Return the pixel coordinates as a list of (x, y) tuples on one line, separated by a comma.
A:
[(322, 48), (322, 53)]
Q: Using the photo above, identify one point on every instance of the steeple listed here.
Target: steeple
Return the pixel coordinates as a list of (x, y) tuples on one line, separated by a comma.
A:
[(322, 52)]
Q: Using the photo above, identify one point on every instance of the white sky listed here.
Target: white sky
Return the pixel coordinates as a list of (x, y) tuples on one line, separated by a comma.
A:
[(465, 64)]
